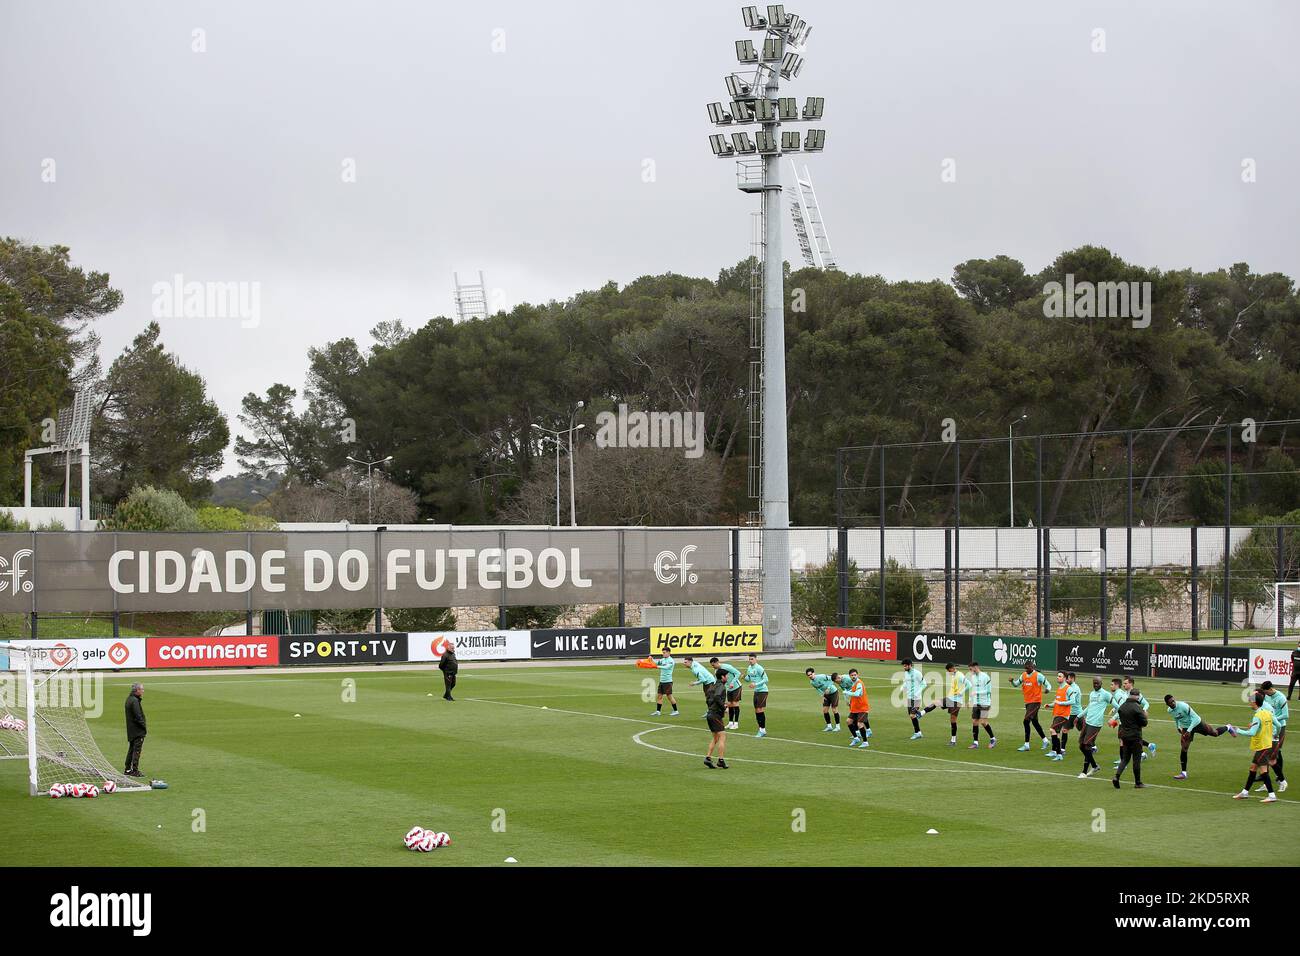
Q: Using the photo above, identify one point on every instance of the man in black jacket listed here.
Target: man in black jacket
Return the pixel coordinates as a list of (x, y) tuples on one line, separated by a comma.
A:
[(1295, 670), (449, 667), (1132, 720), (135, 730)]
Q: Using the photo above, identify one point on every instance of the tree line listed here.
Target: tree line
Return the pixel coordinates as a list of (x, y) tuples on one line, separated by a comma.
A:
[(869, 361)]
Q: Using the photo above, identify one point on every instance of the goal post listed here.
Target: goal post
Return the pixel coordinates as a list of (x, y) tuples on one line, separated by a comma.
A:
[(1286, 610), (43, 720)]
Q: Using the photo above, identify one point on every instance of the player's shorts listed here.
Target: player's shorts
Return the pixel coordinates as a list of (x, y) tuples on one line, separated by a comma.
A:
[(1074, 721), (951, 704), (1281, 738), (1059, 721), (760, 698), (1260, 756), (666, 688), (913, 703), (831, 700), (1031, 709), (857, 716), (733, 696), (1201, 728), (1087, 734), (715, 724), (979, 711)]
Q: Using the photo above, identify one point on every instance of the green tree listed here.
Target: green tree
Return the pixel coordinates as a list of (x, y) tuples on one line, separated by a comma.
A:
[(530, 616), (148, 508), (907, 597), (606, 616), (1151, 592), (155, 424), (814, 596), (1001, 601), (346, 621), (1078, 593)]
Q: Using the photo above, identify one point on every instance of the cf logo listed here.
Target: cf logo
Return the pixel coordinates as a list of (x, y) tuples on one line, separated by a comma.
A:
[(671, 567), (14, 571)]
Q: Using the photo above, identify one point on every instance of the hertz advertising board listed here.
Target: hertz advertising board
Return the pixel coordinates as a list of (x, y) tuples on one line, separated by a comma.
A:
[(707, 639)]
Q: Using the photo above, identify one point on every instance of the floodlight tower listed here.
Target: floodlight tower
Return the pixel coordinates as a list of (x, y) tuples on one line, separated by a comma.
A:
[(755, 100)]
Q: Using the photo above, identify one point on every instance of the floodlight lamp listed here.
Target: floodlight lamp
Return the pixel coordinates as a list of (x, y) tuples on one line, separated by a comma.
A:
[(791, 65), (743, 111), (717, 115), (737, 86), (764, 111), (721, 147), (752, 18), (814, 107), (746, 52), (776, 15), (814, 141), (773, 49), (788, 108), (766, 142), (743, 143), (790, 141)]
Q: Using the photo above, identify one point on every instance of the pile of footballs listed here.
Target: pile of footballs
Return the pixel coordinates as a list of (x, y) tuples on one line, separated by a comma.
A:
[(80, 789), (10, 722), (423, 841)]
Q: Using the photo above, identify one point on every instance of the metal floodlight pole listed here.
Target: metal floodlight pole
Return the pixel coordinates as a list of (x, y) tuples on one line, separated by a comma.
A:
[(370, 484), (573, 507), (1011, 472), (559, 449)]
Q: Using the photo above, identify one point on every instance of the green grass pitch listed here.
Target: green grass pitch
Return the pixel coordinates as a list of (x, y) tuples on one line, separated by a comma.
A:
[(593, 779)]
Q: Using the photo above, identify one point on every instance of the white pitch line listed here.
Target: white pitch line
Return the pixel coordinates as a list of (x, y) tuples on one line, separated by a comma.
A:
[(890, 753), (814, 766)]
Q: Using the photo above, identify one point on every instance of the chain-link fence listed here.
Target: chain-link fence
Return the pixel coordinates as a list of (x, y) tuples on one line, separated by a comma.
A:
[(1175, 533)]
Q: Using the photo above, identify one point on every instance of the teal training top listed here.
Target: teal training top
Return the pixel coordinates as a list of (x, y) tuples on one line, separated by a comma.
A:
[(913, 683), (823, 684), (665, 665), (1184, 717), (702, 675), (733, 676), (1098, 701), (1074, 697), (755, 674), (981, 689), (1276, 702)]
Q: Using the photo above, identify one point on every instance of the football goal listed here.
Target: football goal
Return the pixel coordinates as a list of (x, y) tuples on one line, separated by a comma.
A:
[(43, 706), (1286, 609)]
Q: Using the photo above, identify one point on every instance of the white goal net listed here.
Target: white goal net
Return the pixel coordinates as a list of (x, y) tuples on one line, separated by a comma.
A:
[(44, 702), (1286, 609)]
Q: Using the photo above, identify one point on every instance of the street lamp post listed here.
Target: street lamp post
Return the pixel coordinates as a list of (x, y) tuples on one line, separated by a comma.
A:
[(370, 484), (1011, 471), (554, 435), (573, 507), (755, 100)]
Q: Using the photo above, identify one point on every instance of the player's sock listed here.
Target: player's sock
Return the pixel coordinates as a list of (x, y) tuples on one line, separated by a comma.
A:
[(1250, 780), (930, 708), (1182, 761), (1277, 770), (954, 729), (1026, 730), (1055, 742), (988, 729), (975, 732), (1268, 783), (837, 718), (1065, 742), (761, 718), (916, 724), (1039, 727)]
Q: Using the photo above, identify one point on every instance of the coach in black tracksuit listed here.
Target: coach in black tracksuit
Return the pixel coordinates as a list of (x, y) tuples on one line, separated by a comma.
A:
[(1295, 670), (1132, 720), (449, 667), (135, 730)]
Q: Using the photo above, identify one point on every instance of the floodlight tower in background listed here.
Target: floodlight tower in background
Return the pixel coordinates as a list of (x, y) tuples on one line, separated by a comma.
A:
[(471, 299), (71, 434), (756, 100)]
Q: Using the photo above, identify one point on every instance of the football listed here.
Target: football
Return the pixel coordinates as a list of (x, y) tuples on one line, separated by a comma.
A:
[(58, 790), (110, 786), (413, 837)]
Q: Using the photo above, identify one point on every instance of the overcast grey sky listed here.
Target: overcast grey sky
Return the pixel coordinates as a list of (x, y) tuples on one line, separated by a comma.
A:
[(513, 137)]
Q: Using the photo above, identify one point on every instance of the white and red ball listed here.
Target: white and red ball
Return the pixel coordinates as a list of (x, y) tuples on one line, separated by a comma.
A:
[(110, 786), (92, 791), (427, 842), (413, 837), (58, 790)]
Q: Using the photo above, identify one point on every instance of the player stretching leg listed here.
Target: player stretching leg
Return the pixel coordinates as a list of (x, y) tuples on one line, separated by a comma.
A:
[(665, 665), (1188, 723), (1091, 723), (1276, 701), (981, 699), (1261, 743), (733, 692), (829, 688), (756, 675), (952, 700), (1032, 684), (702, 676), (913, 686)]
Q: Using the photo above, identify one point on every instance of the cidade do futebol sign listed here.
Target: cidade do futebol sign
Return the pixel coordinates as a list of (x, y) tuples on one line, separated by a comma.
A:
[(163, 571)]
